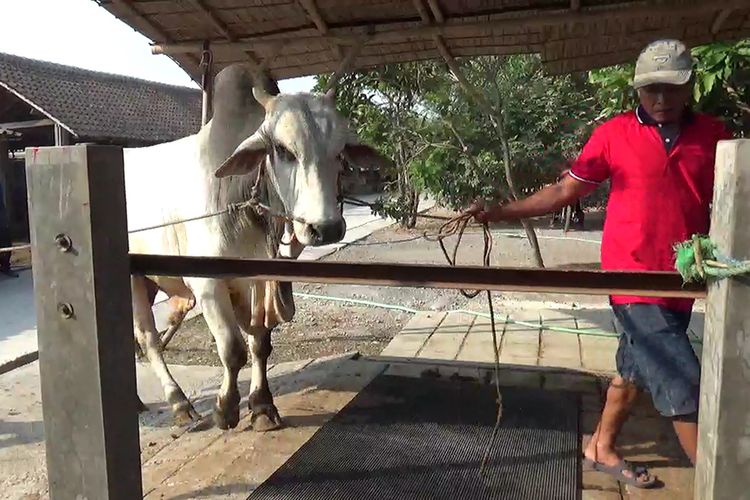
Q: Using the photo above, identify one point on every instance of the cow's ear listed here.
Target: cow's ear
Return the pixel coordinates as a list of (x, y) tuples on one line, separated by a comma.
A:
[(366, 156), (245, 159)]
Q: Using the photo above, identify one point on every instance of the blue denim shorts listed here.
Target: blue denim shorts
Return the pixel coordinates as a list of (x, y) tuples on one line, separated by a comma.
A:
[(655, 354)]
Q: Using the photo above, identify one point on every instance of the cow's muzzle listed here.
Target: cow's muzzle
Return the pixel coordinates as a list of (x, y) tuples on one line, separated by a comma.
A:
[(325, 233)]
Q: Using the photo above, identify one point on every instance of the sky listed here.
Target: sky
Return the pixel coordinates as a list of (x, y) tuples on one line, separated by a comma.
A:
[(80, 33)]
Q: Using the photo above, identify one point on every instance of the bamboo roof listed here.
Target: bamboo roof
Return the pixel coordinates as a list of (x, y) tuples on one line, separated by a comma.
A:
[(96, 106), (291, 38)]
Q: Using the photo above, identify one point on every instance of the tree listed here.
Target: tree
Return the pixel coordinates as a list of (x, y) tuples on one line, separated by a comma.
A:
[(448, 142), (722, 85), (384, 107), (545, 118)]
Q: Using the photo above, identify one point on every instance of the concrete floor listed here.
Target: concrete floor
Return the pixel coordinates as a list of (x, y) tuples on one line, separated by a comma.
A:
[(212, 464), (17, 317)]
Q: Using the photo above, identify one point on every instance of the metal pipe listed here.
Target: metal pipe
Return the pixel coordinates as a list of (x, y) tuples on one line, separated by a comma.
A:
[(646, 284)]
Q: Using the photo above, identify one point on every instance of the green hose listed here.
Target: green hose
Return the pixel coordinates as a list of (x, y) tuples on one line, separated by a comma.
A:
[(588, 332)]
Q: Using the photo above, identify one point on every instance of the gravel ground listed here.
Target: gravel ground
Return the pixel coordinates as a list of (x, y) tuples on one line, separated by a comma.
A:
[(325, 327)]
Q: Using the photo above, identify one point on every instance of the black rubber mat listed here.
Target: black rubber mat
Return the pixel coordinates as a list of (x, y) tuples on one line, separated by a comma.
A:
[(404, 438)]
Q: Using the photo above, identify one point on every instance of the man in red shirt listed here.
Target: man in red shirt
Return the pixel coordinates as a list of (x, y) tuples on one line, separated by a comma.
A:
[(659, 159)]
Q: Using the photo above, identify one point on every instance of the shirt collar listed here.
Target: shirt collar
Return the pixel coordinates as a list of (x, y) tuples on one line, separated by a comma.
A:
[(645, 119)]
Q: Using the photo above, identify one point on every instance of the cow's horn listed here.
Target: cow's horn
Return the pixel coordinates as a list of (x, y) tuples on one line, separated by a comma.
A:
[(331, 94), (263, 97)]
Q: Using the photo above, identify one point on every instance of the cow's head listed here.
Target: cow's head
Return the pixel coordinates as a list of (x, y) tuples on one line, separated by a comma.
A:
[(303, 139)]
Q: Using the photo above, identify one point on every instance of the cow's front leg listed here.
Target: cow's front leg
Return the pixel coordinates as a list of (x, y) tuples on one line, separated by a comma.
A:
[(216, 304), (148, 339), (264, 415)]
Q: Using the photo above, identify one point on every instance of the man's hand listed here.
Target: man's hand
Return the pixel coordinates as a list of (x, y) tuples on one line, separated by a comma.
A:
[(483, 212), (543, 202)]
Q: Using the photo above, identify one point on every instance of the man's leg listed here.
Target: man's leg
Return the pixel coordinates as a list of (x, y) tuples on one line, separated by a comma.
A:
[(602, 448), (620, 398), (670, 369), (687, 433), (621, 395)]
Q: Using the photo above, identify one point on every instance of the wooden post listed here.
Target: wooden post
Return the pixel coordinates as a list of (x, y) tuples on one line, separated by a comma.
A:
[(84, 321), (723, 464), (5, 174), (207, 83)]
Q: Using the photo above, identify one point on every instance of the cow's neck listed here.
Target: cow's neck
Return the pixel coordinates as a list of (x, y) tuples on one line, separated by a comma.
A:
[(222, 135)]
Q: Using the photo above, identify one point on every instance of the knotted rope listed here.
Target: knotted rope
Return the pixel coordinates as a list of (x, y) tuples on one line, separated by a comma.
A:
[(698, 260)]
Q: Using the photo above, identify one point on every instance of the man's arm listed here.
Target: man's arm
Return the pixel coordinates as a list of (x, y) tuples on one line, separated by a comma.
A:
[(548, 200)]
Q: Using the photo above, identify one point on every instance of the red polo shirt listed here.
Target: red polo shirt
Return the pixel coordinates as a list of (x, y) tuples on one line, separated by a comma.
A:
[(661, 190)]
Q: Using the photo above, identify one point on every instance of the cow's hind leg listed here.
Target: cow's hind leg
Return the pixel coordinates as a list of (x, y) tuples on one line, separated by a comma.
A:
[(264, 415), (148, 338), (180, 302), (213, 296)]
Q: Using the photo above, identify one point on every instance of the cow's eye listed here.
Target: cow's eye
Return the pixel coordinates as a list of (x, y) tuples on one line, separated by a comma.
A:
[(284, 154)]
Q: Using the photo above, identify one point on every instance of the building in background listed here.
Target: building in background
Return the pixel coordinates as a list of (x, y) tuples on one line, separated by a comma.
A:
[(46, 104)]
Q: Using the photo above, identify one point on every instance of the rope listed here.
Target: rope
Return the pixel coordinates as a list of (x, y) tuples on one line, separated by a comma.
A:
[(698, 260), (259, 207), (456, 227), (253, 203), (15, 249)]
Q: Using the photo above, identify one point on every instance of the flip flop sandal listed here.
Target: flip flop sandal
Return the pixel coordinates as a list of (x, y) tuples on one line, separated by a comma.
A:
[(618, 472)]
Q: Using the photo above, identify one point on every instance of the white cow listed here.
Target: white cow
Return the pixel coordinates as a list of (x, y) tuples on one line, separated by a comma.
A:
[(299, 139)]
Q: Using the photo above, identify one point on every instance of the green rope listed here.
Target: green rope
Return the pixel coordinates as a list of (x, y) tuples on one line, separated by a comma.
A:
[(698, 260)]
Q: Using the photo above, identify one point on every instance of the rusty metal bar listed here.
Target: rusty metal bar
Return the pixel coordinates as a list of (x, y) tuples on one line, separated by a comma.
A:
[(647, 284)]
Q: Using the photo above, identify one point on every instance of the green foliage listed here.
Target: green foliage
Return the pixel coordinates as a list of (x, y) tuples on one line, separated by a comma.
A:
[(443, 143), (722, 85), (614, 91)]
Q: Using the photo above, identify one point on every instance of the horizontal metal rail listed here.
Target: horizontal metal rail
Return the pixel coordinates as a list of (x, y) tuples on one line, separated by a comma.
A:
[(645, 284)]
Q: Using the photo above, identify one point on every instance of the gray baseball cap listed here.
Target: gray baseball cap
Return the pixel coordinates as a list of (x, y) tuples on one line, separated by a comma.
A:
[(663, 61)]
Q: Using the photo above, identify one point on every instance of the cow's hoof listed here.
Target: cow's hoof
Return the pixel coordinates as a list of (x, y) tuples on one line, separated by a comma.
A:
[(185, 414), (227, 412), (265, 417)]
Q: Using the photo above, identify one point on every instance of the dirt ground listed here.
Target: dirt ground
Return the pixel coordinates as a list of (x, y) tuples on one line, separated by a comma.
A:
[(324, 327)]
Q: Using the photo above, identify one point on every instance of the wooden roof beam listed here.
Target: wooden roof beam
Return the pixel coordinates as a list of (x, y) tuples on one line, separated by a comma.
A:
[(44, 122), (436, 11), (128, 6), (423, 13), (212, 18), (133, 12), (312, 11), (398, 33), (721, 18), (259, 67)]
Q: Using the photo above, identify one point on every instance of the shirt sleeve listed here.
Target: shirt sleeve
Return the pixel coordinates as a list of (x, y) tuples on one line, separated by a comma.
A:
[(592, 165)]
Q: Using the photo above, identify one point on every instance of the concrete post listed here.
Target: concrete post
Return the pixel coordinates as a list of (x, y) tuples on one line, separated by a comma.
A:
[(723, 464), (84, 321)]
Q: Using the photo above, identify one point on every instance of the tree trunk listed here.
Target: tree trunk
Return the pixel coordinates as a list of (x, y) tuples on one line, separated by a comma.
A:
[(496, 119)]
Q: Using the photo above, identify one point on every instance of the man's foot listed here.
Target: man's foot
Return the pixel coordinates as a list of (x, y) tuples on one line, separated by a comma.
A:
[(610, 462)]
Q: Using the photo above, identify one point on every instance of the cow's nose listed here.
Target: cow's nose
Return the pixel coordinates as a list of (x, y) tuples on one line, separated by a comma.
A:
[(327, 232)]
